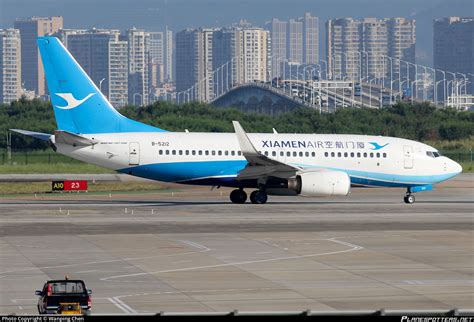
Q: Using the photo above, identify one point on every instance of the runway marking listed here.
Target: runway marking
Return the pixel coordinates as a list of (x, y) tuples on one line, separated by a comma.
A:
[(19, 306), (119, 305), (193, 244), (204, 291), (202, 250), (261, 253), (185, 261), (352, 248), (89, 271)]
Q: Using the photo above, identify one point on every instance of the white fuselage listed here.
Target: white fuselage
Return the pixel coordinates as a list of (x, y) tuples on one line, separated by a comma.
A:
[(215, 158)]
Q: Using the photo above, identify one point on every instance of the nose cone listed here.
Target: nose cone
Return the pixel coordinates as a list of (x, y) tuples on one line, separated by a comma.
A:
[(454, 167)]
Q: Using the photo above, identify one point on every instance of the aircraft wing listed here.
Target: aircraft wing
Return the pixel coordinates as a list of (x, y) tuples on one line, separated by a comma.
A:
[(260, 165)]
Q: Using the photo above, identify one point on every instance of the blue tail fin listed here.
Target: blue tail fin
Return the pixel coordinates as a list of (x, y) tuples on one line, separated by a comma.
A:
[(79, 106)]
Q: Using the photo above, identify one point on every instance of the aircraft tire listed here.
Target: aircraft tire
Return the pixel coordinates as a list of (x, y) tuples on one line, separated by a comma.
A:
[(238, 196), (409, 199), (258, 197)]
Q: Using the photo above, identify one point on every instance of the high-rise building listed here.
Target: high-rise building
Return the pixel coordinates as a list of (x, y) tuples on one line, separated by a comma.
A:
[(453, 47), (10, 65), (194, 62), (244, 53), (161, 52), (310, 39), (278, 31), (344, 43), (104, 57), (358, 49), (295, 42), (401, 41), (32, 73), (138, 63)]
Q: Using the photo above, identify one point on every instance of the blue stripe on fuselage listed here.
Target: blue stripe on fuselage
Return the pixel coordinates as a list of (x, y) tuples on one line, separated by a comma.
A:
[(224, 173)]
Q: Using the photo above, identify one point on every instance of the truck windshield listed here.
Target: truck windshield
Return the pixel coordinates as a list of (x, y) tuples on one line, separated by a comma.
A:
[(61, 288)]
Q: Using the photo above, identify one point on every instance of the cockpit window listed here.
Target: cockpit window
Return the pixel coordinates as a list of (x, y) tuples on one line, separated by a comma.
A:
[(433, 154)]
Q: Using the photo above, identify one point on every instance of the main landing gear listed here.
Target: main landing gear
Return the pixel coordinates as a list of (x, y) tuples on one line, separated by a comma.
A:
[(409, 198), (256, 197), (238, 196)]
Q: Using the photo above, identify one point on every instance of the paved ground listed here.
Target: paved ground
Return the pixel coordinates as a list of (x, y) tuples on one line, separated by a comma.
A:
[(194, 251)]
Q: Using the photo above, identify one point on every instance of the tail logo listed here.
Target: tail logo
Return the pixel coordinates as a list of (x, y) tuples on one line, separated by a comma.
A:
[(72, 102)]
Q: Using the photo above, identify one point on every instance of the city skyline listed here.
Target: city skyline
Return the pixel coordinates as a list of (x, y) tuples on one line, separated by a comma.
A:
[(182, 14)]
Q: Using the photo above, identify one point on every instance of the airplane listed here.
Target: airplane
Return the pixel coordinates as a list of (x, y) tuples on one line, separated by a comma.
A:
[(90, 129)]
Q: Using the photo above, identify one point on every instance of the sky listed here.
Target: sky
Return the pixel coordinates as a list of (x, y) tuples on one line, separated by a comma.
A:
[(179, 14)]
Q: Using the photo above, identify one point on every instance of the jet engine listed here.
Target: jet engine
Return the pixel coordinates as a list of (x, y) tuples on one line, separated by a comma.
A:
[(321, 183)]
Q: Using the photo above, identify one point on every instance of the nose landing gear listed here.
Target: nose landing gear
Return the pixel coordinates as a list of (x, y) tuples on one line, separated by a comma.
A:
[(409, 198)]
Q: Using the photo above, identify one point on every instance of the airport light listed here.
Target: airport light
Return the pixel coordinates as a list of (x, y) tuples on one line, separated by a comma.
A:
[(412, 84), (444, 86), (100, 84), (465, 79)]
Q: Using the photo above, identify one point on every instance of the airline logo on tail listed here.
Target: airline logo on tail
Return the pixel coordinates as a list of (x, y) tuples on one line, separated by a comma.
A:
[(72, 102)]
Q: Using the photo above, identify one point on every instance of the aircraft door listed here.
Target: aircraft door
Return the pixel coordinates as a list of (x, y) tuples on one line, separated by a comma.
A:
[(408, 156), (134, 153)]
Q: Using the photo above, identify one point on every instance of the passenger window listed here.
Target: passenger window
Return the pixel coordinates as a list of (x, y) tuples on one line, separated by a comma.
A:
[(226, 152), (194, 152), (352, 154), (385, 155), (173, 152), (358, 154), (338, 154), (160, 152), (282, 153), (239, 153), (167, 152), (345, 154), (180, 152), (288, 154), (378, 155), (365, 154), (371, 155), (219, 152), (326, 154), (200, 152), (213, 152), (266, 153), (206, 152), (232, 153), (187, 152), (306, 154), (301, 153), (333, 154), (313, 154), (295, 153), (274, 153)]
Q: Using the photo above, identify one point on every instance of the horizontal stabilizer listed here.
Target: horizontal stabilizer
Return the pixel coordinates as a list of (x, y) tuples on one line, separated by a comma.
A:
[(69, 138), (36, 135)]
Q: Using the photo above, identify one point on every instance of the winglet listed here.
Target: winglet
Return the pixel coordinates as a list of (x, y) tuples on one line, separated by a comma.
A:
[(245, 144)]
